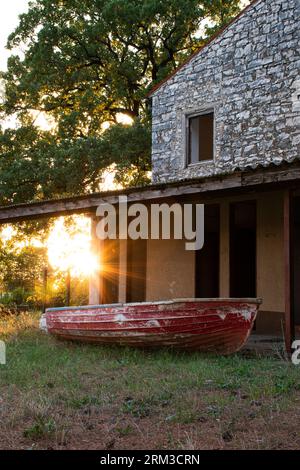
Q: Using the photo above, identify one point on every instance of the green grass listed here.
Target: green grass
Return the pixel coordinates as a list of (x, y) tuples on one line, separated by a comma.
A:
[(46, 382)]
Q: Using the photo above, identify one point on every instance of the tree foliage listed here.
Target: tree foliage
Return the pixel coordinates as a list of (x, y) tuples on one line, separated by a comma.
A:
[(20, 269), (24, 255), (37, 164), (84, 63)]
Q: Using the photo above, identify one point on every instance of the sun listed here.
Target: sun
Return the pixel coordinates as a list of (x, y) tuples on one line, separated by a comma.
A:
[(69, 249)]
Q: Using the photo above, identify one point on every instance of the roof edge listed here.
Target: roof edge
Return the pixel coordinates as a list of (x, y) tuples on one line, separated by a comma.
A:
[(200, 49), (158, 186)]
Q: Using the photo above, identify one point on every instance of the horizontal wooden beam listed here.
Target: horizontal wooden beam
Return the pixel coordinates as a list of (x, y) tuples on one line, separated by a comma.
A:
[(260, 179)]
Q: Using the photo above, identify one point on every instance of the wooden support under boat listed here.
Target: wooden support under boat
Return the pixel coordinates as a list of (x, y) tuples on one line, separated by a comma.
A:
[(210, 325)]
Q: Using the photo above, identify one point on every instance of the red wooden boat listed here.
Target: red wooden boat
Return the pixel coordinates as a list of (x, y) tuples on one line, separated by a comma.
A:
[(210, 325)]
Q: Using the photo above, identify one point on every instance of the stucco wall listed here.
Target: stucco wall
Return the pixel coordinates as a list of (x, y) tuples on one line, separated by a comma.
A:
[(249, 75), (270, 261), (170, 270), (270, 255)]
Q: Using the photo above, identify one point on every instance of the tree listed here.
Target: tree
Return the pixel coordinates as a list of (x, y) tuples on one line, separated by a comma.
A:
[(25, 253), (21, 267), (84, 64), (37, 164)]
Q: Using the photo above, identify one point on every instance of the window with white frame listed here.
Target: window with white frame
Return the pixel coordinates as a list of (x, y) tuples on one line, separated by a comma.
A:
[(200, 137)]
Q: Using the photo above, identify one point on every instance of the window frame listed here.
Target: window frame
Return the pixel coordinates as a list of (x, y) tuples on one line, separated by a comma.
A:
[(187, 116)]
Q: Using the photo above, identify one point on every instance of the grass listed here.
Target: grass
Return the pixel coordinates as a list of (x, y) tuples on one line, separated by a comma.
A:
[(66, 395)]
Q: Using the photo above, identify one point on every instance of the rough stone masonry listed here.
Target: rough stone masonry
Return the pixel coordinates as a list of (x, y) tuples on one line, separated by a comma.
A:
[(249, 76)]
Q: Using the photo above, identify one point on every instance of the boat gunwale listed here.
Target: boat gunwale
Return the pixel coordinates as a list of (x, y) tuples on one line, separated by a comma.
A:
[(205, 318), (232, 300)]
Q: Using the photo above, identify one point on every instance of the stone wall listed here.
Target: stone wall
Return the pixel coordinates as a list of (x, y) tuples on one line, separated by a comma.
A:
[(249, 75)]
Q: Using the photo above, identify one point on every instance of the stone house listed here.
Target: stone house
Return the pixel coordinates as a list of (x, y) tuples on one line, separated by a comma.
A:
[(246, 82), (235, 107), (226, 133)]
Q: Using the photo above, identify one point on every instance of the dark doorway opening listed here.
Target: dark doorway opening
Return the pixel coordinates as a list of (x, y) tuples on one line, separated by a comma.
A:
[(243, 249), (296, 259), (136, 270), (208, 259)]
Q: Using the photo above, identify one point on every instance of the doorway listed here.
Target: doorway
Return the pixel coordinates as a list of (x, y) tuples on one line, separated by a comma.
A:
[(208, 259), (243, 249), (136, 270), (296, 259)]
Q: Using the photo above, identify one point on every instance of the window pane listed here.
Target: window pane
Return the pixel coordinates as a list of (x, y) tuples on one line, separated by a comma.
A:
[(206, 137), (201, 138)]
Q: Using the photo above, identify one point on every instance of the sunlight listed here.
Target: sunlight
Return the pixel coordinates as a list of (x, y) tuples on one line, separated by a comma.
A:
[(245, 3), (124, 119), (121, 119), (7, 233), (108, 180), (43, 121), (70, 249), (68, 245)]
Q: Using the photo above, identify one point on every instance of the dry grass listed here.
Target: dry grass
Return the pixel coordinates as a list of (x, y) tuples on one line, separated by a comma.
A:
[(59, 395), (12, 325)]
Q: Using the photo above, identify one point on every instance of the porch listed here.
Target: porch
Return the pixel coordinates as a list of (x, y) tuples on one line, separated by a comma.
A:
[(252, 248), (244, 255)]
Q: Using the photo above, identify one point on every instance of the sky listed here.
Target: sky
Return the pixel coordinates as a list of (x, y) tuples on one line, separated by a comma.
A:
[(8, 22)]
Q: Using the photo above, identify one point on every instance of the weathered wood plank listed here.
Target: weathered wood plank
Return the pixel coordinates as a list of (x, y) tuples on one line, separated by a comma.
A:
[(262, 179), (96, 279), (268, 176)]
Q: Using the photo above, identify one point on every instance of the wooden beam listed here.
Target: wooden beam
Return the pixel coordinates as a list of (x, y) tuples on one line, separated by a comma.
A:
[(122, 271), (68, 288), (95, 281), (289, 326), (45, 288), (271, 175), (224, 250), (234, 183)]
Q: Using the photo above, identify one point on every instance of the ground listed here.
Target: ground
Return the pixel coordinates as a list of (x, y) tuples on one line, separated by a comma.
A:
[(59, 395)]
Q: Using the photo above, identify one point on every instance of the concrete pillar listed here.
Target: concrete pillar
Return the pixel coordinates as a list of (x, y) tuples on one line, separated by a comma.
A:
[(122, 270), (95, 277), (224, 250)]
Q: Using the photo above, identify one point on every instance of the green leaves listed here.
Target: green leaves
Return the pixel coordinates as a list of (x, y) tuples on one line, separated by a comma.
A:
[(84, 64), (36, 164)]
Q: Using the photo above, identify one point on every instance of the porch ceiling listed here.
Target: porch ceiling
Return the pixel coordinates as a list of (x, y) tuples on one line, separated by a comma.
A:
[(260, 178)]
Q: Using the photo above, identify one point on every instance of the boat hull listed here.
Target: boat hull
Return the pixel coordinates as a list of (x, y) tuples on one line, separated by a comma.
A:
[(208, 325)]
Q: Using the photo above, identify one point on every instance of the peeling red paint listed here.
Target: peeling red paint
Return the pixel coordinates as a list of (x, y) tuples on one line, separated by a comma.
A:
[(211, 325)]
